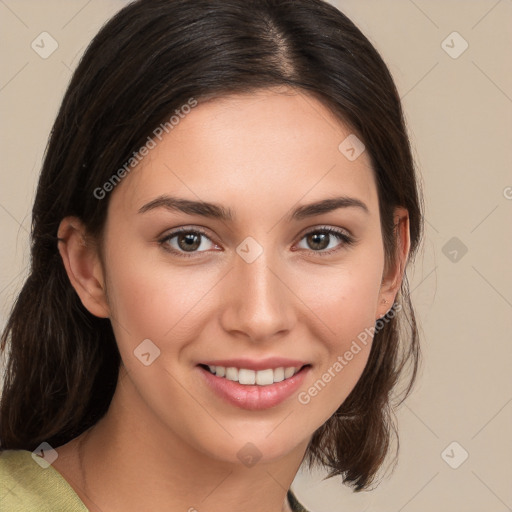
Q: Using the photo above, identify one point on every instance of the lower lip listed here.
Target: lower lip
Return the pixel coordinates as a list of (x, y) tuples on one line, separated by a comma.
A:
[(254, 397)]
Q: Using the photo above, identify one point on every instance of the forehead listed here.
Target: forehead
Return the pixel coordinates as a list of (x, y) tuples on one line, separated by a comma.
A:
[(262, 148)]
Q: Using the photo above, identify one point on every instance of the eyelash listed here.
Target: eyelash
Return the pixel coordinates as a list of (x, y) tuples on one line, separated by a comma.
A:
[(346, 240)]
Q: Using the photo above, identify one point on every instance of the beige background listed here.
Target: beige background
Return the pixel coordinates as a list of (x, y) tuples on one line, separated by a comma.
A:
[(459, 112)]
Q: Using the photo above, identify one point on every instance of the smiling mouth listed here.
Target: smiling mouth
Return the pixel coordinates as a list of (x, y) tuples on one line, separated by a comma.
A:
[(248, 377)]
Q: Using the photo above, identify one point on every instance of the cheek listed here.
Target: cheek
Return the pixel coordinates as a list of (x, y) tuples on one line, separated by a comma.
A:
[(154, 299), (344, 297), (344, 300)]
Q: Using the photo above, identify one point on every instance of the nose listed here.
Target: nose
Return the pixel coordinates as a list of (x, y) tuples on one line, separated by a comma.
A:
[(257, 304)]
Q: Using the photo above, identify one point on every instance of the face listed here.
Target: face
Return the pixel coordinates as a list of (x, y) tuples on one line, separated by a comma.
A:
[(270, 283)]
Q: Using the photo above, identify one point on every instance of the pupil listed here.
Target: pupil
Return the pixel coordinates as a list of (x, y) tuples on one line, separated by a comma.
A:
[(191, 241), (318, 240)]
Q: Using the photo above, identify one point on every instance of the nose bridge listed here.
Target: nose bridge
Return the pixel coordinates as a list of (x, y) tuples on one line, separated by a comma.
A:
[(258, 304)]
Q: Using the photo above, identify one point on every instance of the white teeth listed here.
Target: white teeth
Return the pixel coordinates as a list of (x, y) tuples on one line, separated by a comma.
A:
[(288, 372), (251, 377), (278, 374), (265, 377), (246, 376), (232, 373)]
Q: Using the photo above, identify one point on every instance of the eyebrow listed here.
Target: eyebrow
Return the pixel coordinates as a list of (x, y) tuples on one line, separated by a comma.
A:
[(216, 211)]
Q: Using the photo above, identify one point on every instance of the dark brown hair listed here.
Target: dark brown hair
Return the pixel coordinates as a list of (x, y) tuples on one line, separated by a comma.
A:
[(146, 62)]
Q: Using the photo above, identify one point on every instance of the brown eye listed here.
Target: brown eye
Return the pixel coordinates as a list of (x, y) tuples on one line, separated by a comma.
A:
[(187, 241), (318, 241), (326, 240)]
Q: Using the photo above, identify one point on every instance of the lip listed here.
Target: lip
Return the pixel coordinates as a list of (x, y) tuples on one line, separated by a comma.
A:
[(253, 397), (259, 364)]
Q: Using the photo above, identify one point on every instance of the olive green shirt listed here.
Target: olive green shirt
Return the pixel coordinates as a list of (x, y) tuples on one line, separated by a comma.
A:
[(27, 487)]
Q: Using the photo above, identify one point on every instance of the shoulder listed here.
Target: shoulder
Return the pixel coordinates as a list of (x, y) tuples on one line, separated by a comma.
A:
[(27, 486)]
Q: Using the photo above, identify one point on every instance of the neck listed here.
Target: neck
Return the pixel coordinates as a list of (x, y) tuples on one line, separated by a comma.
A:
[(128, 461)]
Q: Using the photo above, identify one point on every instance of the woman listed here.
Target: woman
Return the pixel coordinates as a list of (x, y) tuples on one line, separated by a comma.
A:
[(224, 217)]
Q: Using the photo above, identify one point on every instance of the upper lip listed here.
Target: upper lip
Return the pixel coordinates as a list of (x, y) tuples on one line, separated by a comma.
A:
[(257, 364)]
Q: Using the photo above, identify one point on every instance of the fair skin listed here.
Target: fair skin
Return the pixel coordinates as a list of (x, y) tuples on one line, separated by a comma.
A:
[(168, 442)]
